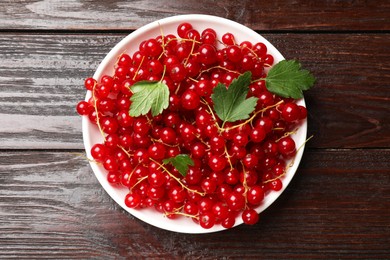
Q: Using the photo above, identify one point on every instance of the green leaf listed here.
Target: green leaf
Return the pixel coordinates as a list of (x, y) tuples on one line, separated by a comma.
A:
[(231, 103), (148, 96), (180, 162), (287, 79)]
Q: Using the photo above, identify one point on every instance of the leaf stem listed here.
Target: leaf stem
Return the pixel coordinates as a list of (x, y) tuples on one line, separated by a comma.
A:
[(212, 113)]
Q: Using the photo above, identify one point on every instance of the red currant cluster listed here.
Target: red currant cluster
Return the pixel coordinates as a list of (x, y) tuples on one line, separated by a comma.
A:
[(235, 164)]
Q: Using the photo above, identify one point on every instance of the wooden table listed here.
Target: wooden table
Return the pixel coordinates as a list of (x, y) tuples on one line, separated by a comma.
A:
[(52, 206)]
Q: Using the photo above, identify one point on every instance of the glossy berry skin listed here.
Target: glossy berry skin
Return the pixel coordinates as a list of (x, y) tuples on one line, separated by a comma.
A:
[(207, 54), (235, 201), (167, 135), (255, 195), (190, 100), (132, 200), (157, 151), (183, 28), (234, 53), (228, 39), (275, 185), (89, 83), (156, 178), (98, 152), (290, 112), (250, 216), (153, 48), (250, 161), (207, 220), (177, 72), (141, 126), (229, 221), (220, 210), (83, 108), (286, 145), (124, 119), (217, 163)]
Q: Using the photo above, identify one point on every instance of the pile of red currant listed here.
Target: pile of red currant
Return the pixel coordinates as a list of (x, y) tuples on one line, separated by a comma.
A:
[(234, 164)]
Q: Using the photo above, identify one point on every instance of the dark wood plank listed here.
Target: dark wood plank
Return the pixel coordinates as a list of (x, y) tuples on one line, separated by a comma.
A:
[(42, 76), (257, 14), (51, 206)]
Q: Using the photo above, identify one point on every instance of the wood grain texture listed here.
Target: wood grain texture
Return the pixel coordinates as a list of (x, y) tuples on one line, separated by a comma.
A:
[(51, 206), (41, 78), (257, 14)]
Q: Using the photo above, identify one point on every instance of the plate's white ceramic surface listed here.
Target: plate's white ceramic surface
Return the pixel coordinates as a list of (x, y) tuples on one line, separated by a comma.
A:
[(129, 45)]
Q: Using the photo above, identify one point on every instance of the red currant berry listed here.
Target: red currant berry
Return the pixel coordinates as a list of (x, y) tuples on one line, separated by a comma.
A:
[(206, 220), (275, 185), (235, 201), (255, 195), (183, 28), (132, 200), (190, 100), (234, 53), (167, 135), (217, 163), (177, 72), (98, 152), (229, 221), (157, 151), (290, 112), (124, 119), (286, 145), (250, 216), (83, 108), (260, 49), (90, 83), (207, 54), (228, 39)]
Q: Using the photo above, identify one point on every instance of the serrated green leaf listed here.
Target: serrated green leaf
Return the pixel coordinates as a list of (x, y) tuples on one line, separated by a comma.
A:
[(180, 162), (287, 79), (148, 96), (231, 103)]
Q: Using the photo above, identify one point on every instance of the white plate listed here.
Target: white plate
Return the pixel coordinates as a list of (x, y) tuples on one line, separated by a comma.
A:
[(129, 45)]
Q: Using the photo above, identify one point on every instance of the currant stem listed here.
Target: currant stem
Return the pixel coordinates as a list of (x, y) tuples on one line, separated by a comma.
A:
[(182, 214), (191, 53), (228, 158), (138, 182), (251, 118), (218, 67), (212, 113), (161, 142), (139, 67), (85, 157), (176, 179), (244, 183), (290, 164), (202, 141), (286, 134), (124, 150), (163, 74)]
